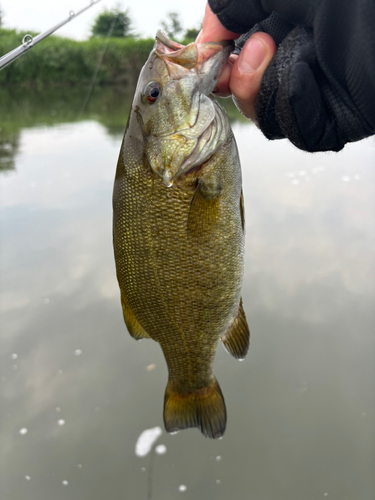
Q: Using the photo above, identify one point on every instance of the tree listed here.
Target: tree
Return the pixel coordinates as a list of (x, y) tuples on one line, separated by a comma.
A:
[(172, 26), (116, 19), (191, 33)]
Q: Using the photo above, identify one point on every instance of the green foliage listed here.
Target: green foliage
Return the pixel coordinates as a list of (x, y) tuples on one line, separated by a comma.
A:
[(114, 23), (61, 61), (191, 33), (172, 25)]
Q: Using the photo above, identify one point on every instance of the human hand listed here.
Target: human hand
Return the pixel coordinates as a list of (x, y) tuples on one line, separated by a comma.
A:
[(242, 74), (318, 89)]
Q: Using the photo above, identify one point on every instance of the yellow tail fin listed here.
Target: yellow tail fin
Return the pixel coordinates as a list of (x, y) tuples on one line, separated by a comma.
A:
[(203, 408)]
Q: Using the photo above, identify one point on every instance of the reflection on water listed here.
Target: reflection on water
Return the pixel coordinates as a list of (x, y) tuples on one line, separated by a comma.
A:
[(146, 441), (78, 391), (8, 148)]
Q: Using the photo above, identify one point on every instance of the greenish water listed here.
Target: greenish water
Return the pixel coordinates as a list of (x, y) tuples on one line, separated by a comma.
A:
[(301, 407)]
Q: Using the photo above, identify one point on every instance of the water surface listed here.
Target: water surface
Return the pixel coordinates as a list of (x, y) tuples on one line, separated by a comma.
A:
[(301, 407)]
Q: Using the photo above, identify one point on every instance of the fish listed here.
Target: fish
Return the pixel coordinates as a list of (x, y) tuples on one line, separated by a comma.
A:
[(178, 227)]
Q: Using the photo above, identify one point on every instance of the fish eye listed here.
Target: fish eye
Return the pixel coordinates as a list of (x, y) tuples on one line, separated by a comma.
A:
[(152, 92)]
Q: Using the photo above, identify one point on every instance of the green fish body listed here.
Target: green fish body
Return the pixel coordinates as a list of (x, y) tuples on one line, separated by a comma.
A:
[(179, 228)]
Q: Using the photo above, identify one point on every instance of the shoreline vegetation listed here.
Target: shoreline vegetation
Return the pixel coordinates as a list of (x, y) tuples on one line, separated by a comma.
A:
[(58, 61), (113, 55)]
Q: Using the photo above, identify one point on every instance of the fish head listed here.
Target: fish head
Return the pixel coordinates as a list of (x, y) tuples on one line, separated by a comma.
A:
[(179, 121)]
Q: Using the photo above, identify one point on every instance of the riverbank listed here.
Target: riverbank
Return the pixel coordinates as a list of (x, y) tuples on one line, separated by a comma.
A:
[(58, 61)]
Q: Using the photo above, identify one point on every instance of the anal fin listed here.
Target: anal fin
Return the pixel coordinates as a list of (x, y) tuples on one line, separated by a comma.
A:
[(132, 324), (237, 339)]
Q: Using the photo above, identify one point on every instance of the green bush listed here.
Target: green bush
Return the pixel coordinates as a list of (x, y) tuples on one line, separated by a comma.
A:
[(60, 61)]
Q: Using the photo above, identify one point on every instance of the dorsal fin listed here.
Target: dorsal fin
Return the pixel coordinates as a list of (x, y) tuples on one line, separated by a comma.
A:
[(237, 339)]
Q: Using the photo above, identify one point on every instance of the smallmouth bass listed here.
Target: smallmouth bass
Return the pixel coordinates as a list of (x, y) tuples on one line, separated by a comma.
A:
[(178, 227)]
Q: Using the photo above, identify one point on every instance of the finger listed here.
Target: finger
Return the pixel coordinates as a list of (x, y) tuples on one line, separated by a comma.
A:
[(213, 30), (222, 87), (248, 70)]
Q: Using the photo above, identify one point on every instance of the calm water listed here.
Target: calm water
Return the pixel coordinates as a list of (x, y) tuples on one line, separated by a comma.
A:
[(78, 390)]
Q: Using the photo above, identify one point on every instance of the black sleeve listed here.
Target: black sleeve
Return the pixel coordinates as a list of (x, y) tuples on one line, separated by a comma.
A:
[(319, 89)]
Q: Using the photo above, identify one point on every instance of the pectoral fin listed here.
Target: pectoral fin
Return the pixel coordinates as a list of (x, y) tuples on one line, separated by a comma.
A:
[(134, 328), (237, 339), (203, 210)]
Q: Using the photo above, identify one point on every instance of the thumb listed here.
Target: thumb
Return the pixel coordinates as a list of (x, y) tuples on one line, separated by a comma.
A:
[(248, 70)]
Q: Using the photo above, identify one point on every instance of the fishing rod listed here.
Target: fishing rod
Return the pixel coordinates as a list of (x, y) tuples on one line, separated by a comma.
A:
[(28, 41)]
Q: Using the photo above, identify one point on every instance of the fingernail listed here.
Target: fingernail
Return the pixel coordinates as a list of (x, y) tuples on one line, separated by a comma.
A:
[(251, 57)]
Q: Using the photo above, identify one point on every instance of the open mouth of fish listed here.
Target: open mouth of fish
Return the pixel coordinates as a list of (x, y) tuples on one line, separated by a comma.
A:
[(206, 126), (189, 56)]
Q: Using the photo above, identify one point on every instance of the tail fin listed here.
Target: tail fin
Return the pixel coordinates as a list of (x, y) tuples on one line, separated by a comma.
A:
[(203, 408)]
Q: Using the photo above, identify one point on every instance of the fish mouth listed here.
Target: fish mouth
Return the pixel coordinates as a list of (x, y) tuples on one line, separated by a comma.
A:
[(208, 58), (169, 44), (174, 46)]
